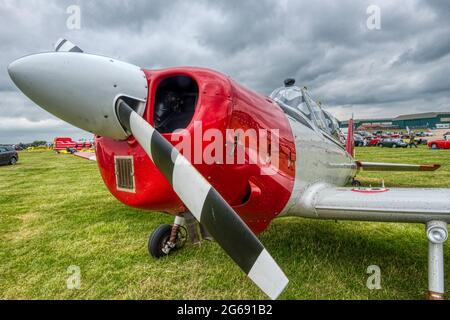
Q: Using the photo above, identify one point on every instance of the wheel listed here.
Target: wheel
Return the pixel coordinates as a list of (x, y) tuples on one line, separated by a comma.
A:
[(158, 241), (380, 145), (356, 183), (394, 146), (13, 161), (434, 146)]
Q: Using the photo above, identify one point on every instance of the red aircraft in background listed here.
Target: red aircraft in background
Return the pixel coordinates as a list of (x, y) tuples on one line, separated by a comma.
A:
[(66, 143), (154, 131)]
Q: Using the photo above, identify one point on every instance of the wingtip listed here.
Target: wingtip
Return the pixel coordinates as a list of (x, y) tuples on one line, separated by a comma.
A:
[(431, 167)]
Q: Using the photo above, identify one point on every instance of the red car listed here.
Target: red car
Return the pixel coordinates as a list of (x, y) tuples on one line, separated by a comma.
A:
[(439, 144), (374, 142)]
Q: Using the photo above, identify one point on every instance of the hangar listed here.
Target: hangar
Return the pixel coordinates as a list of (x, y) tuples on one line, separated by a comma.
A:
[(431, 120)]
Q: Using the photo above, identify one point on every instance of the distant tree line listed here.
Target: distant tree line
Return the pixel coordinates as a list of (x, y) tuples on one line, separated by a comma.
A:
[(37, 143)]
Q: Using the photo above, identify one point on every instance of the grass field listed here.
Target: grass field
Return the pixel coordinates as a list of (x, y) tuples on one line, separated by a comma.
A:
[(55, 212)]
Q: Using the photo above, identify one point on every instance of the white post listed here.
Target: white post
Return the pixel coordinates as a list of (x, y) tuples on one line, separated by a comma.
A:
[(437, 234)]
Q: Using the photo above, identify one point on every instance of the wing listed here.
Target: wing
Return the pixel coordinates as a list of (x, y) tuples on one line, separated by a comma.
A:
[(86, 155), (379, 166), (380, 204)]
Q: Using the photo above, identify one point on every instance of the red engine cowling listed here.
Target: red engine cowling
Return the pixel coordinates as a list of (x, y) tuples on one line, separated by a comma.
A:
[(214, 102)]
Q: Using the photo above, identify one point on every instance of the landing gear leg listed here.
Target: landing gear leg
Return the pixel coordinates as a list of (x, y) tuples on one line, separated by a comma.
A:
[(196, 232), (437, 234), (174, 232)]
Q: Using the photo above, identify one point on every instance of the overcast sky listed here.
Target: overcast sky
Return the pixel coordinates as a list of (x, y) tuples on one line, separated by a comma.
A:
[(403, 67)]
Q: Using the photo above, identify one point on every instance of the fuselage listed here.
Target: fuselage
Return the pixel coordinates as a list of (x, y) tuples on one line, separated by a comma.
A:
[(320, 160), (259, 191)]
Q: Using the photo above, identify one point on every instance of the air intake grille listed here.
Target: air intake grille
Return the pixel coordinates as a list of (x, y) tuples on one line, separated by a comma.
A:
[(124, 173)]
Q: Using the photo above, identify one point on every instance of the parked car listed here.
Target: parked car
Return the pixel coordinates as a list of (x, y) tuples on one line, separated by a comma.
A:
[(359, 141), (8, 155), (392, 143), (424, 134), (374, 142), (447, 136), (364, 134), (421, 141), (439, 144)]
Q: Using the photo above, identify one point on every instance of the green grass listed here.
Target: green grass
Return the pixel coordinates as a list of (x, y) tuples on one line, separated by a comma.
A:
[(56, 212)]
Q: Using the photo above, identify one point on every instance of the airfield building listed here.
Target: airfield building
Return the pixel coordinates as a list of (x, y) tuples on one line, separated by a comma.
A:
[(431, 120)]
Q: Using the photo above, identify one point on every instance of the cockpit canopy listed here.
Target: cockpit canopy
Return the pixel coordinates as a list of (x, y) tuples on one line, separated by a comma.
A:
[(293, 98)]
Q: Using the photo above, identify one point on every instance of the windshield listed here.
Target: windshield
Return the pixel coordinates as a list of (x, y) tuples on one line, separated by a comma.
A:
[(291, 97), (295, 98), (332, 122), (318, 114)]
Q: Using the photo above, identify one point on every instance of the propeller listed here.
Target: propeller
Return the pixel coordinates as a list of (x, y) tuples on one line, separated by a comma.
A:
[(64, 45), (63, 82), (207, 205)]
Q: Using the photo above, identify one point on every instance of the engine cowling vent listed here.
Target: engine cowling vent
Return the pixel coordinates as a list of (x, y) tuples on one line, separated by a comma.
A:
[(124, 166)]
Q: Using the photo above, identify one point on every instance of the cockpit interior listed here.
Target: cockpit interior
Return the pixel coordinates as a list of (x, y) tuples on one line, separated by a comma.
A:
[(175, 103)]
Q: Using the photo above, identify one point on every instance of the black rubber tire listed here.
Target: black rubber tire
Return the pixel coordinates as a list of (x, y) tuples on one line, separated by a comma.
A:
[(434, 146), (356, 183), (13, 161), (380, 145), (158, 239)]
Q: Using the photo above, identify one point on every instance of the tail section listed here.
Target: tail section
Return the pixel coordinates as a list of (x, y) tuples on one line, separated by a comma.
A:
[(350, 143)]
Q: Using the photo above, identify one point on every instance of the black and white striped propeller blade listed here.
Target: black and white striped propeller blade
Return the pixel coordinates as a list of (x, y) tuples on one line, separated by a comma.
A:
[(207, 205), (64, 45)]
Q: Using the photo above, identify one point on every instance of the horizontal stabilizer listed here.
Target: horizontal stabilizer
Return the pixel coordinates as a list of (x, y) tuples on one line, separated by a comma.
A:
[(379, 166)]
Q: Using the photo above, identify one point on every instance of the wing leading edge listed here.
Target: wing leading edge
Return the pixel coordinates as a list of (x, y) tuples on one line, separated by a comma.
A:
[(381, 204), (380, 166)]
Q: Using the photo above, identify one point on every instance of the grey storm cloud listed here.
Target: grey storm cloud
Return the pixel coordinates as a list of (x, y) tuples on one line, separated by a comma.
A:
[(325, 45)]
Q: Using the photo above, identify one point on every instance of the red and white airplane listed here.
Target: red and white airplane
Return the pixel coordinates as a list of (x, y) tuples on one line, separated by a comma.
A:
[(138, 116)]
